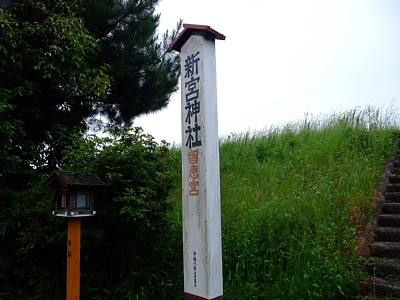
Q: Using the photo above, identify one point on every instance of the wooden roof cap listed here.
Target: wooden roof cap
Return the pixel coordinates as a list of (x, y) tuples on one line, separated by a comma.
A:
[(193, 29)]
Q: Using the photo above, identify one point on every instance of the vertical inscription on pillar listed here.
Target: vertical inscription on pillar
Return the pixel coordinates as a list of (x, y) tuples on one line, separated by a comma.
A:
[(192, 105), (194, 269), (193, 158)]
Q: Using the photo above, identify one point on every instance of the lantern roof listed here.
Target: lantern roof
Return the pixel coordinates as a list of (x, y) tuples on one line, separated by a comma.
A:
[(193, 29), (76, 179)]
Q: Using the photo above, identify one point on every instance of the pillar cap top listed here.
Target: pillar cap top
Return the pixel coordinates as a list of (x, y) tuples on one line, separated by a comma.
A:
[(193, 29)]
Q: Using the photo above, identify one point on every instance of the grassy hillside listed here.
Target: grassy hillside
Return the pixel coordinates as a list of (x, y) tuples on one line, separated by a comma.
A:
[(292, 202)]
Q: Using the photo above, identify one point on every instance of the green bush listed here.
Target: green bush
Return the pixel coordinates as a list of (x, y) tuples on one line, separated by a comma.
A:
[(122, 247), (33, 242)]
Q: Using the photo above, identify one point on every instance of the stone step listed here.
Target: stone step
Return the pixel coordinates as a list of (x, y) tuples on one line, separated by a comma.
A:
[(393, 187), (386, 249), (391, 208), (394, 179), (385, 268), (388, 234), (392, 196), (380, 287), (389, 220)]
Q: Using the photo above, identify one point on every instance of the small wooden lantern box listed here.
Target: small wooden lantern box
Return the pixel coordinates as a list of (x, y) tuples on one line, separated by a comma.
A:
[(76, 193)]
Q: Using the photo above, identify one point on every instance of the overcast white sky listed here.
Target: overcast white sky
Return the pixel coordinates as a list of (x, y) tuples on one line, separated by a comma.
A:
[(284, 58)]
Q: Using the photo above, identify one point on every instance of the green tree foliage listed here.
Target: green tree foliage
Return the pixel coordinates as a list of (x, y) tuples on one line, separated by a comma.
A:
[(63, 64), (122, 247), (49, 82), (32, 245), (142, 67), (46, 78)]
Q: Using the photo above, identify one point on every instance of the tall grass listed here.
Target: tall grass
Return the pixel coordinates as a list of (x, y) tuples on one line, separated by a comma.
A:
[(293, 199)]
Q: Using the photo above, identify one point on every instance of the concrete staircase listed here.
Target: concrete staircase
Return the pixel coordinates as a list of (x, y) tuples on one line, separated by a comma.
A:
[(382, 258)]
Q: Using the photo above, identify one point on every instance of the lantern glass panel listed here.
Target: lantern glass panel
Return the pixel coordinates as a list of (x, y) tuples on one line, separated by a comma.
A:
[(82, 200), (63, 200)]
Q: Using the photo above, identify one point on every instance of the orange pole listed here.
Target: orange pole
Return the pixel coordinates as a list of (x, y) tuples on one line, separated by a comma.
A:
[(73, 258)]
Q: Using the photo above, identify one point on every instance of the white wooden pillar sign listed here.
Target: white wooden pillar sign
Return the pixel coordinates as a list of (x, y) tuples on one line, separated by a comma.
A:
[(202, 253)]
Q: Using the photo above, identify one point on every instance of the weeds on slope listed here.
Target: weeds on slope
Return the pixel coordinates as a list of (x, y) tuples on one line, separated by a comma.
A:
[(292, 200)]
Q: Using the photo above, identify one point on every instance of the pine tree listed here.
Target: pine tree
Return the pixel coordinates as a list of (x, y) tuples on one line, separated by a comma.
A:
[(144, 72), (64, 63)]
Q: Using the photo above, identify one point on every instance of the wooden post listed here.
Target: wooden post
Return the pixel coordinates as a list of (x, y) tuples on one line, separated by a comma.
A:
[(202, 251), (73, 258)]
